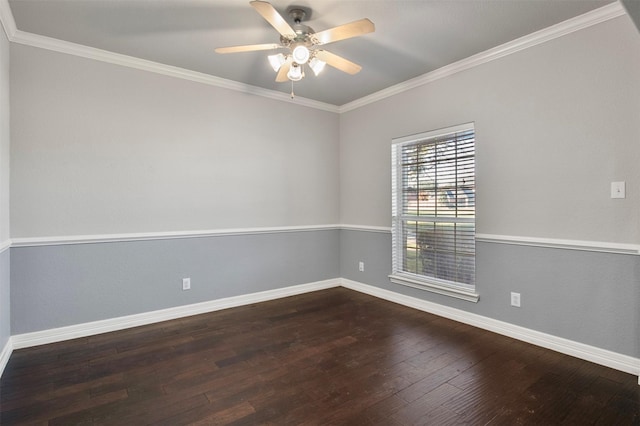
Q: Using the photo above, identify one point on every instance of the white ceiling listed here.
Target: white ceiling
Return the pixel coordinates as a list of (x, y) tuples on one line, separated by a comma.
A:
[(412, 37)]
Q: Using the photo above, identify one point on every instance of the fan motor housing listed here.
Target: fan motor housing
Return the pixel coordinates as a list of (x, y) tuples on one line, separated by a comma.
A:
[(303, 33)]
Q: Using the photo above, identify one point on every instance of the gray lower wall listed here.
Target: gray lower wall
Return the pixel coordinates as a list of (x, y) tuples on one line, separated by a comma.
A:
[(5, 302), (586, 297), (55, 286)]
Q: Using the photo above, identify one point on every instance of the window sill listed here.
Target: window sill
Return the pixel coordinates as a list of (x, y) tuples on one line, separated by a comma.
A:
[(459, 293)]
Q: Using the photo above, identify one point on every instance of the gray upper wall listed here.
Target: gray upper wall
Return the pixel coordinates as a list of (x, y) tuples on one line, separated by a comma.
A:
[(4, 137), (555, 125), (5, 303), (99, 148)]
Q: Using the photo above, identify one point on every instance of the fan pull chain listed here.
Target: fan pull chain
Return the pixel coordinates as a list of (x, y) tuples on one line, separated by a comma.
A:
[(292, 94)]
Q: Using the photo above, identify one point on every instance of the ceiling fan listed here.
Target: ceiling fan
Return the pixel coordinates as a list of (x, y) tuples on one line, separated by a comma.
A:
[(302, 43)]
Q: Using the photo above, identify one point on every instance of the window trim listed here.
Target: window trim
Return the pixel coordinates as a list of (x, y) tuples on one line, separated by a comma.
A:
[(398, 276), (429, 284)]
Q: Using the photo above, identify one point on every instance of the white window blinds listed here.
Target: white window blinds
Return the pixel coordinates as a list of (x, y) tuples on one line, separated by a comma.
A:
[(434, 208)]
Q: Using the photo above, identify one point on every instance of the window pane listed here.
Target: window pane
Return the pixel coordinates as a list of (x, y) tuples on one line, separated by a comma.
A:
[(443, 250), (435, 193), (438, 177)]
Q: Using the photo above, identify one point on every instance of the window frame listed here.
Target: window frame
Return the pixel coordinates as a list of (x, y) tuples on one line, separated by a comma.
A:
[(398, 274)]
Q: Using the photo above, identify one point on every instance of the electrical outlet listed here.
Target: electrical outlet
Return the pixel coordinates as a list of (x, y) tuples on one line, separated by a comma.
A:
[(515, 299), (361, 266), (186, 283)]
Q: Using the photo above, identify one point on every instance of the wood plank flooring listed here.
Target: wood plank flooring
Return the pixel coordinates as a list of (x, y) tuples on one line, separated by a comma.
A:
[(333, 357)]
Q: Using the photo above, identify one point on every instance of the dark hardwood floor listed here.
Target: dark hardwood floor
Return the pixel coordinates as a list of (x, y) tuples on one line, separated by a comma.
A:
[(324, 358)]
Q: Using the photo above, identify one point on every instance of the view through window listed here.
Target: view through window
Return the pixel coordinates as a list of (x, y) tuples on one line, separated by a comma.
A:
[(434, 210)]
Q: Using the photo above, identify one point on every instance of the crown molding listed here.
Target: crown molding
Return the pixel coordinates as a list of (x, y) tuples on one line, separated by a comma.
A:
[(6, 19), (34, 40), (48, 43), (569, 26)]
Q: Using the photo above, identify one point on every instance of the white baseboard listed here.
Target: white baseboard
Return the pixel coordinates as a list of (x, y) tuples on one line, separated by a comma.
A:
[(600, 356), (593, 354), (36, 338), (5, 354)]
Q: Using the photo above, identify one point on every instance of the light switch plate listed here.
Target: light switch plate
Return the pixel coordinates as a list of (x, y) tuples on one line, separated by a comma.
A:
[(618, 190)]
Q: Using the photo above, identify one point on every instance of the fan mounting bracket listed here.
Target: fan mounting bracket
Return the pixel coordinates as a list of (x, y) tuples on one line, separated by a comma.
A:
[(298, 13)]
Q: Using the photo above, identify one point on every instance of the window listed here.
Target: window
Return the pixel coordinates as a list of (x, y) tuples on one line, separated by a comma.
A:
[(434, 210)]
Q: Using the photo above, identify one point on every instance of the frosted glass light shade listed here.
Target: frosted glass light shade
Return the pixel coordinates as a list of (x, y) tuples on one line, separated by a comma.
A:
[(317, 65), (300, 55), (295, 73), (276, 61)]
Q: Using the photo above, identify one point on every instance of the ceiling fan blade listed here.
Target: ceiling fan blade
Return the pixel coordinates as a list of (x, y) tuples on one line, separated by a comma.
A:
[(247, 48), (353, 29), (271, 15), (284, 69), (338, 62)]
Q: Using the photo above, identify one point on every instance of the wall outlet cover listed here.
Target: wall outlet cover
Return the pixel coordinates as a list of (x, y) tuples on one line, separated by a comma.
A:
[(515, 299)]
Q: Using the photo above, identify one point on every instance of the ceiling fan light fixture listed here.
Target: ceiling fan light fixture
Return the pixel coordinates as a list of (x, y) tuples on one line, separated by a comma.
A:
[(317, 65), (302, 43), (295, 73), (301, 54), (276, 61)]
